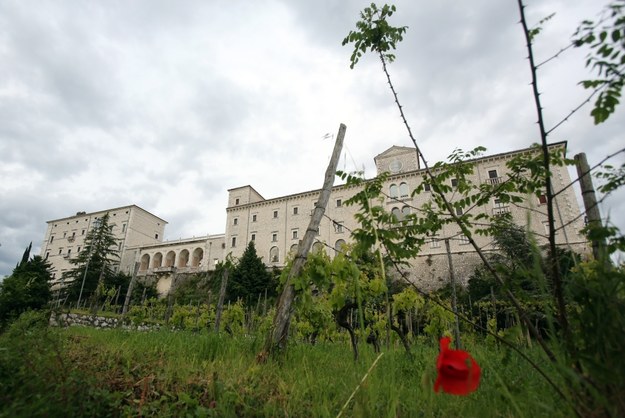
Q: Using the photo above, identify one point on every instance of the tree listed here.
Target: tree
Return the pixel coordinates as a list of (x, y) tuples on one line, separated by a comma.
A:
[(606, 40), (94, 264), (250, 278), (28, 287)]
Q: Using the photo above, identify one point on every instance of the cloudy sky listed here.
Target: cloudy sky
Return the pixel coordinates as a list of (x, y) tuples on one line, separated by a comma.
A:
[(167, 104)]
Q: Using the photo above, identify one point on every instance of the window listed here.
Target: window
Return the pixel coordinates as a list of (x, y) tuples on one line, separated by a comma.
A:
[(339, 203), (73, 234), (119, 246), (454, 183), (83, 232), (403, 190), (155, 236), (236, 201), (235, 221), (464, 240), (51, 239), (47, 255), (435, 242), (396, 214), (338, 227), (253, 237), (123, 227), (295, 210), (69, 253), (542, 199), (275, 214), (234, 242), (78, 250), (338, 246), (294, 234), (459, 211), (493, 177), (405, 211), (274, 254), (254, 218), (427, 187), (274, 237), (64, 234), (394, 191), (60, 251)]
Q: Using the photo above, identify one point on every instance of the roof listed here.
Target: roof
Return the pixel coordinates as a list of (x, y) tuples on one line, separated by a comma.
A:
[(106, 210), (395, 150)]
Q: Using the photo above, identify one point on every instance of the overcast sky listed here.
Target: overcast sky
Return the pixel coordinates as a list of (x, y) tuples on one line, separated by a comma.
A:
[(167, 104)]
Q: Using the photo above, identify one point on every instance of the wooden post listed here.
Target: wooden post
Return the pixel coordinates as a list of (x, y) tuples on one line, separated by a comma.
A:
[(222, 295), (454, 306), (131, 286), (590, 202), (282, 319)]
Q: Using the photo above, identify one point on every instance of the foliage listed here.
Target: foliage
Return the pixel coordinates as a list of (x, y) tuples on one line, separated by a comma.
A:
[(27, 288), (374, 33), (94, 264), (83, 372), (606, 41), (39, 378), (250, 278), (596, 290), (194, 289)]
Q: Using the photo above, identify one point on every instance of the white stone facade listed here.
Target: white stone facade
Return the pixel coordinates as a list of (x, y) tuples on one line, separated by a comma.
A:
[(131, 226), (277, 225)]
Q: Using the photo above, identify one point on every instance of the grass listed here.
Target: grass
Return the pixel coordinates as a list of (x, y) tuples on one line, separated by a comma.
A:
[(89, 372)]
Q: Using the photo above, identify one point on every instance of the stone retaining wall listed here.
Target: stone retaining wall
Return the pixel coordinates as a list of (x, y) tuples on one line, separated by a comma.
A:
[(102, 322)]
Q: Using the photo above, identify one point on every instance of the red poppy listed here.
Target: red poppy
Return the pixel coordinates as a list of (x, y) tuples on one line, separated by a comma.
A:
[(458, 373)]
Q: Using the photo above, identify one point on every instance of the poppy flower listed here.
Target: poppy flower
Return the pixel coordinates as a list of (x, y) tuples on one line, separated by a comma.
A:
[(458, 373)]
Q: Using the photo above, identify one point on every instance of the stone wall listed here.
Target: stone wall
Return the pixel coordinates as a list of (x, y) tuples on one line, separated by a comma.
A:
[(102, 322)]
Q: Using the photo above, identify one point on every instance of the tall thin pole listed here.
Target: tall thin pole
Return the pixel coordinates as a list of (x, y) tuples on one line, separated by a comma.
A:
[(131, 286), (590, 201), (222, 295), (454, 306), (82, 286)]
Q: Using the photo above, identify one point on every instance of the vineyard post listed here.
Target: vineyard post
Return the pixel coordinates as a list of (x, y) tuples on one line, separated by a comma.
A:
[(280, 328), (590, 201), (222, 295)]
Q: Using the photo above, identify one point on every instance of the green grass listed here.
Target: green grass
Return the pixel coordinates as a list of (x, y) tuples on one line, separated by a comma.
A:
[(89, 372)]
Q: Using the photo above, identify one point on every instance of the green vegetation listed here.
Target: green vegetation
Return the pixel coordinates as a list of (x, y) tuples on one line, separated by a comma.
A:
[(27, 288), (545, 327), (88, 372)]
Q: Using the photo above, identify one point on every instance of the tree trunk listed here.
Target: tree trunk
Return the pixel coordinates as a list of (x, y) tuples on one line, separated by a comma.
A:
[(282, 319), (341, 319)]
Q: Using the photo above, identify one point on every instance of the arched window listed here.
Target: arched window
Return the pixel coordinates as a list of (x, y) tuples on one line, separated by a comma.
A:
[(393, 191), (170, 260), (198, 255), (405, 211), (396, 213), (339, 246), (293, 249), (183, 258), (274, 255), (317, 247), (145, 262), (403, 190), (157, 261)]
